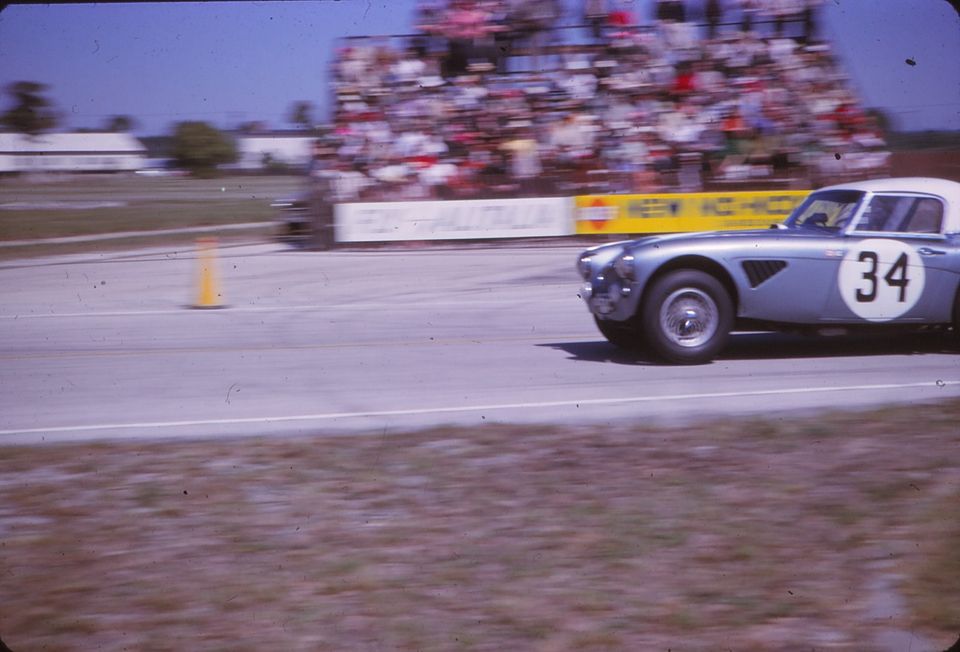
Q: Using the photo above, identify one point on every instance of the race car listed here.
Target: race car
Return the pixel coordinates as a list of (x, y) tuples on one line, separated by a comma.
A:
[(292, 218), (883, 253)]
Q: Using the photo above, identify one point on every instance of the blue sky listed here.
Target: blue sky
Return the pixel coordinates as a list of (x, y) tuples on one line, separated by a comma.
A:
[(227, 62)]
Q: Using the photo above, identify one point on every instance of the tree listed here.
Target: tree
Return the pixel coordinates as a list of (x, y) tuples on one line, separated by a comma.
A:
[(301, 114), (31, 113), (120, 124), (883, 119), (201, 148)]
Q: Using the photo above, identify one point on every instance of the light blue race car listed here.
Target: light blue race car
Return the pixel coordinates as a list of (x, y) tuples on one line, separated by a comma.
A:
[(874, 254)]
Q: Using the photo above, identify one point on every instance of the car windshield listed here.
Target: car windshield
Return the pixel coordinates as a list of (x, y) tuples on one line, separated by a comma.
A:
[(830, 210)]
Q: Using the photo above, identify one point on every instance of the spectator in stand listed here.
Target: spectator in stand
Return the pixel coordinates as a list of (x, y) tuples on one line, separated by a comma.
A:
[(425, 19), (572, 140), (523, 149), (595, 17), (440, 179), (505, 36), (534, 22), (671, 11), (681, 38), (628, 160), (708, 78), (809, 18), (684, 83), (680, 126), (749, 9), (428, 22), (622, 23), (782, 12), (581, 84), (460, 25), (735, 105), (713, 12), (349, 181), (408, 70)]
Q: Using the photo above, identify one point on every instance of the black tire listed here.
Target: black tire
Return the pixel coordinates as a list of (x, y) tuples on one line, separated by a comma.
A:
[(686, 317), (955, 327), (623, 335)]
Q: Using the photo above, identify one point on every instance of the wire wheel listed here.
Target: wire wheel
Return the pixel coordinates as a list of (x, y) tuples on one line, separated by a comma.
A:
[(689, 317), (686, 317)]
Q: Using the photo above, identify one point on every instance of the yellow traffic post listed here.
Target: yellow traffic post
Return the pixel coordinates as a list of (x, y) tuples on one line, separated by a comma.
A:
[(208, 284)]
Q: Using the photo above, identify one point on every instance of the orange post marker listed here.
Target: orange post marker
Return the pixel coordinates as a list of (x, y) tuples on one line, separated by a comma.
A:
[(208, 284)]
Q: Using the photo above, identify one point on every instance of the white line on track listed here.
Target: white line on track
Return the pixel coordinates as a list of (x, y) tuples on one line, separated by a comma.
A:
[(413, 304), (137, 234), (471, 408), (256, 348)]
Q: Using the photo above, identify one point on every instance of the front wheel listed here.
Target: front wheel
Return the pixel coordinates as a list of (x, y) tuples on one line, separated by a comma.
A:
[(687, 316), (955, 327)]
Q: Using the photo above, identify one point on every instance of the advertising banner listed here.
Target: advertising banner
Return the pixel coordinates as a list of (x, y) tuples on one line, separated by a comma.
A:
[(454, 220), (673, 213)]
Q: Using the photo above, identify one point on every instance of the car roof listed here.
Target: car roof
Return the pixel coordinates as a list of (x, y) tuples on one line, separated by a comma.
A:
[(948, 190)]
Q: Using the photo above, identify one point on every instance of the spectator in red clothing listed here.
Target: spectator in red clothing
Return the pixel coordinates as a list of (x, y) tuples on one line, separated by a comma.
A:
[(620, 19), (684, 82)]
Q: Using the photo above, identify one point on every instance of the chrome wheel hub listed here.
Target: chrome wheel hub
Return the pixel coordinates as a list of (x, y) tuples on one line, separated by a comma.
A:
[(689, 317)]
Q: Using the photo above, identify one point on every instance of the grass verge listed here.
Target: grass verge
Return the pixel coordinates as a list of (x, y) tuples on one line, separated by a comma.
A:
[(746, 535), (100, 204)]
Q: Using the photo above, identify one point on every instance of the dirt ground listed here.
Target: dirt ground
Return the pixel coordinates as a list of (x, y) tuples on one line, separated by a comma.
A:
[(826, 532)]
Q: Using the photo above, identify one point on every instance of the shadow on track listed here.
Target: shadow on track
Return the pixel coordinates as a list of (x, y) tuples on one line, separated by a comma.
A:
[(773, 346)]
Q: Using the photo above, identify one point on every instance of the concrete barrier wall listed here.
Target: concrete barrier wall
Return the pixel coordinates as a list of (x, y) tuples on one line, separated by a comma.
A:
[(454, 220), (551, 217)]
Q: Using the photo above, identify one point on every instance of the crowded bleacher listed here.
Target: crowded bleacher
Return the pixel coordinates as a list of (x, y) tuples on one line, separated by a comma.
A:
[(497, 98)]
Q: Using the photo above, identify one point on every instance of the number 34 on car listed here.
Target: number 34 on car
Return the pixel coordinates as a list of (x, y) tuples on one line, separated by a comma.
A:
[(875, 254)]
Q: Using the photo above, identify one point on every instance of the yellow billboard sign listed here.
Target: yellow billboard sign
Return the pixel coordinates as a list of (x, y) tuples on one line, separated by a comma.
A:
[(673, 213)]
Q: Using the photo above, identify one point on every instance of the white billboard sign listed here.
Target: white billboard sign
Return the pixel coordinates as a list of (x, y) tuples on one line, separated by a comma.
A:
[(454, 220)]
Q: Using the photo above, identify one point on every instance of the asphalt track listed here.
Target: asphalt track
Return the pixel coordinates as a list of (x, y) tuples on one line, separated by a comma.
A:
[(378, 341)]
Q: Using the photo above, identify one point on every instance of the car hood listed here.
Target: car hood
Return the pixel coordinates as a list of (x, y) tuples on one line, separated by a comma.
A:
[(697, 241)]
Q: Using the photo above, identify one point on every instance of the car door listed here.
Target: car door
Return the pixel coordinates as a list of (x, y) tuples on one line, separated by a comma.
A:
[(896, 263)]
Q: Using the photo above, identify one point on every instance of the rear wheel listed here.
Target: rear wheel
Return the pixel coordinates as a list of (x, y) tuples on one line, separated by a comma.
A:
[(623, 335), (955, 334), (687, 316)]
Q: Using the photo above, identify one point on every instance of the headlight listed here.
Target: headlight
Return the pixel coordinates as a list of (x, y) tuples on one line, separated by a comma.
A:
[(584, 267), (625, 268)]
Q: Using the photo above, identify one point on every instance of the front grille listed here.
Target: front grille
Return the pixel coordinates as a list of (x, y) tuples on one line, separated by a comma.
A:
[(759, 271)]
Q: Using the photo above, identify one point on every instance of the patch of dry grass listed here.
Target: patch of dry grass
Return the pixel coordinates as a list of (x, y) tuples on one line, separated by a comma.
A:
[(94, 205), (755, 535)]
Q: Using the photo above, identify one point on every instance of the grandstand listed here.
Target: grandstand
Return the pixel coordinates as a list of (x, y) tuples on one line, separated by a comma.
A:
[(483, 101)]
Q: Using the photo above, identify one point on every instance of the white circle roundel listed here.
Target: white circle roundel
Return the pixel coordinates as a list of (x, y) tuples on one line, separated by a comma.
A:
[(881, 279)]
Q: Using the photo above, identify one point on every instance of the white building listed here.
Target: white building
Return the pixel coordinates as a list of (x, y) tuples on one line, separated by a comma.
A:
[(254, 152), (73, 152)]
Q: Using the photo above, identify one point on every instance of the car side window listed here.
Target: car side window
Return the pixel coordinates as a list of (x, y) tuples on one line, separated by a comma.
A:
[(902, 214), (926, 217)]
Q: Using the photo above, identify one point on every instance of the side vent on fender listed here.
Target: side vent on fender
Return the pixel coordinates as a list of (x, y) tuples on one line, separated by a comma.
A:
[(759, 271)]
